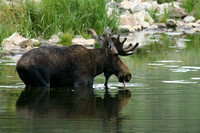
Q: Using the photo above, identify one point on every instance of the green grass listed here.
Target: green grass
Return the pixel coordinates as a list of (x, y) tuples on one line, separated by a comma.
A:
[(160, 19), (192, 6), (49, 17)]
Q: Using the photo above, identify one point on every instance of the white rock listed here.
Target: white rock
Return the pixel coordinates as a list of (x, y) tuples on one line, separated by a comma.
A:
[(16, 43), (198, 21), (126, 5), (145, 24), (143, 16), (127, 19), (54, 39), (194, 25), (180, 23), (8, 45), (189, 19), (88, 43), (153, 27), (111, 4), (150, 5), (125, 28), (135, 22), (136, 8), (18, 40), (35, 41)]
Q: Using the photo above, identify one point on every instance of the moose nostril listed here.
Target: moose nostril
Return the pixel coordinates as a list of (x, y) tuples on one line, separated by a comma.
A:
[(128, 77)]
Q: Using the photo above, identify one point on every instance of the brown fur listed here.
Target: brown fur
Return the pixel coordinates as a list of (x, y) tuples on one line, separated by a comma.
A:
[(69, 66)]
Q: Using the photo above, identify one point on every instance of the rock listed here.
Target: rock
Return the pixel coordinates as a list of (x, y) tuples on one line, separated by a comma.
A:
[(88, 43), (111, 4), (127, 20), (150, 5), (143, 16), (198, 21), (49, 44), (54, 39), (194, 25), (16, 43), (136, 8), (35, 42), (145, 24), (189, 19), (178, 13), (135, 22), (171, 23), (163, 1), (152, 27), (124, 28), (180, 23), (20, 41), (126, 5), (8, 45), (161, 25)]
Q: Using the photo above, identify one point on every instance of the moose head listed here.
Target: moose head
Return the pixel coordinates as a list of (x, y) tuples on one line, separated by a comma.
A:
[(114, 47)]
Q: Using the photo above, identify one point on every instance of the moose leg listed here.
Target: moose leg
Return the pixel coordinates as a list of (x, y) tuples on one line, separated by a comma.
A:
[(35, 78), (107, 76), (83, 81)]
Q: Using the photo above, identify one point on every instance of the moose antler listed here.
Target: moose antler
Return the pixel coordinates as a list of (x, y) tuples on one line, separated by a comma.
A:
[(114, 43), (119, 46)]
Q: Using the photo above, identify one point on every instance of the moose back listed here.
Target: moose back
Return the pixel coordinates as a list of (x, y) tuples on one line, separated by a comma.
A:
[(75, 66)]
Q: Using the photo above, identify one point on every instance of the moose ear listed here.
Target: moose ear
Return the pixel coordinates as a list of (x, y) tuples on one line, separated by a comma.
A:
[(112, 46), (101, 41)]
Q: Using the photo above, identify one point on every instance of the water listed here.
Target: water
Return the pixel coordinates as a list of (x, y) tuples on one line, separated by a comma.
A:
[(163, 96)]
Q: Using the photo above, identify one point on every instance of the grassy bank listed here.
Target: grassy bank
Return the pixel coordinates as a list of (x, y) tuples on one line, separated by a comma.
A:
[(72, 17), (192, 6)]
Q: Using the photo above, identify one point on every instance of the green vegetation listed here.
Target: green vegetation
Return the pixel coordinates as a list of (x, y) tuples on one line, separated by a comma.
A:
[(160, 19), (153, 13), (192, 6), (49, 17), (166, 16)]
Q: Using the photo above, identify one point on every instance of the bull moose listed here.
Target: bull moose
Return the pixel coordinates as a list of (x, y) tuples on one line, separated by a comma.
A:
[(75, 66)]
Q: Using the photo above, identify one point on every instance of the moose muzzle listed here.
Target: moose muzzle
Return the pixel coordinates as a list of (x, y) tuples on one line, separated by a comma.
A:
[(125, 77)]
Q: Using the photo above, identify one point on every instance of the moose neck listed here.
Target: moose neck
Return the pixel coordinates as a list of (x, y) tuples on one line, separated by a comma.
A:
[(100, 61)]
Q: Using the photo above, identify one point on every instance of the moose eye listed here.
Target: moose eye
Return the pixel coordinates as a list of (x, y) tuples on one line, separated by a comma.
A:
[(116, 57)]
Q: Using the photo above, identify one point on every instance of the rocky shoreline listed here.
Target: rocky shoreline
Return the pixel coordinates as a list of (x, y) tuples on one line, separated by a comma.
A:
[(135, 22)]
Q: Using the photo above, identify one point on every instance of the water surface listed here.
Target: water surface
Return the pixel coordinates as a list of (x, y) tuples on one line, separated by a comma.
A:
[(163, 95)]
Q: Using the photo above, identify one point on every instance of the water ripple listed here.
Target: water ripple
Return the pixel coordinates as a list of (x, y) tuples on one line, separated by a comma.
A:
[(169, 61), (179, 82), (183, 70)]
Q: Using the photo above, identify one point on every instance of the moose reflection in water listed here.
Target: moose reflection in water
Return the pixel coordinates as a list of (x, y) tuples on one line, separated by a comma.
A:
[(69, 103)]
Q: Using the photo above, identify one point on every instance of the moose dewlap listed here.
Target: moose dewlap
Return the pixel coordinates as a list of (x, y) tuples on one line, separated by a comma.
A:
[(74, 66)]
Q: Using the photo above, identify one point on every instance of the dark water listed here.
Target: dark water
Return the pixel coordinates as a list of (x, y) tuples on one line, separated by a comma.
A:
[(163, 96)]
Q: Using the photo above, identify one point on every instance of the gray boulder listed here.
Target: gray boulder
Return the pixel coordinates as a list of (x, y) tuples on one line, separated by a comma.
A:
[(178, 13), (171, 23)]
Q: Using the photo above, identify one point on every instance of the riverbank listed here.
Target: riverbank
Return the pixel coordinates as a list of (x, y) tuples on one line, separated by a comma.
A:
[(136, 19)]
